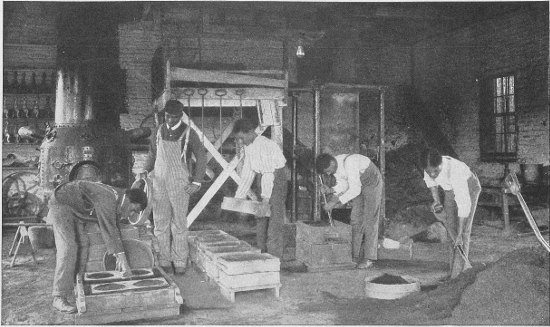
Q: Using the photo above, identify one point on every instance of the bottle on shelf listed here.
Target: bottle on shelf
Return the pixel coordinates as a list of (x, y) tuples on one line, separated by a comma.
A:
[(6, 83), (35, 108), (5, 108), (16, 86), (6, 134), (26, 104)]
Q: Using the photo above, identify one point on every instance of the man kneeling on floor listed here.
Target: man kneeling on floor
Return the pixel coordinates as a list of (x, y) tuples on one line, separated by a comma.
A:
[(75, 204)]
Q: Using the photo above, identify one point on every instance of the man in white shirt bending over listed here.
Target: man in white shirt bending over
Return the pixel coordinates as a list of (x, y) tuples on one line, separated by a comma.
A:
[(264, 156), (461, 189), (358, 180)]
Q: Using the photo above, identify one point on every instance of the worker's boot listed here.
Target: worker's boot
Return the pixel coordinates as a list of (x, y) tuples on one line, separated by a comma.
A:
[(168, 269), (61, 304), (365, 264), (180, 270)]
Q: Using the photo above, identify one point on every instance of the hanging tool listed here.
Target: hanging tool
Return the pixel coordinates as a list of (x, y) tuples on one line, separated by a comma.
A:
[(202, 92), (221, 93), (240, 93), (512, 182), (441, 216)]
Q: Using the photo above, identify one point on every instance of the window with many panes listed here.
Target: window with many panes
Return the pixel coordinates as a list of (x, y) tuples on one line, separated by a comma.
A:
[(498, 123)]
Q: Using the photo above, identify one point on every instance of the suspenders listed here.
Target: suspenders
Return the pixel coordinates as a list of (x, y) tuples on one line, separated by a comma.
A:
[(185, 133)]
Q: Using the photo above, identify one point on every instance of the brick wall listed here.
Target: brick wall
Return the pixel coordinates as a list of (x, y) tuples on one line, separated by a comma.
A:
[(447, 69), (30, 35), (138, 42)]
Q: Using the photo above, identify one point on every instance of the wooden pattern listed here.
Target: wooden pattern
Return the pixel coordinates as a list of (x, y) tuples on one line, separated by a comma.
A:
[(127, 305)]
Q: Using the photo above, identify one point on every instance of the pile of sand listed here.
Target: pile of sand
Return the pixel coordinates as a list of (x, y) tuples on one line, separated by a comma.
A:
[(512, 291)]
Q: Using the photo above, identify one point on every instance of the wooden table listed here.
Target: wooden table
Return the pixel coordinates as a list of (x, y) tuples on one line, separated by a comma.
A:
[(499, 199)]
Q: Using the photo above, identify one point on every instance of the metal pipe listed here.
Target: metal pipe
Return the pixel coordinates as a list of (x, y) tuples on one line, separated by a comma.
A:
[(316, 150), (294, 177)]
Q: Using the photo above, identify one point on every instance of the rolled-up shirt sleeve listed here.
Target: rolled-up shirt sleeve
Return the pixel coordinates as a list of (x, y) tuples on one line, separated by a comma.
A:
[(247, 177), (462, 195), (429, 181), (267, 184), (354, 182)]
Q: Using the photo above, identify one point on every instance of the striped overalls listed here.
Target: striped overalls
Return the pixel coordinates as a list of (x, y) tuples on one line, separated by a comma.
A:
[(170, 202)]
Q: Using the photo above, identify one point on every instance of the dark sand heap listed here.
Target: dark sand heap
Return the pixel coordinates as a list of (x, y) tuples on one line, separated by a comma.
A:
[(513, 290)]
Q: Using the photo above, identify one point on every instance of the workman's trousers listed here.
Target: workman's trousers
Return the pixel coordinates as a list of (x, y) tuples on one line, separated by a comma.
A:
[(456, 262), (365, 215), (269, 230), (70, 248), (170, 206)]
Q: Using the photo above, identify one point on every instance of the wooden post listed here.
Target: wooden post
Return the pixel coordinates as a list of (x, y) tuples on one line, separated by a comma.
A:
[(316, 150), (294, 168), (382, 151)]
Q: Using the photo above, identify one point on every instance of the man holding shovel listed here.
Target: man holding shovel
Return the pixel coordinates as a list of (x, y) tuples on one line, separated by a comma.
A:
[(358, 180), (461, 190)]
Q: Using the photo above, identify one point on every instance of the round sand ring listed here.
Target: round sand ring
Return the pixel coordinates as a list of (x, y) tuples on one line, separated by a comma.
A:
[(99, 275), (148, 282), (139, 272), (109, 287), (390, 291)]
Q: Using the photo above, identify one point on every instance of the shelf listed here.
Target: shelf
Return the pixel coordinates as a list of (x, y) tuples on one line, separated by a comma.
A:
[(26, 94)]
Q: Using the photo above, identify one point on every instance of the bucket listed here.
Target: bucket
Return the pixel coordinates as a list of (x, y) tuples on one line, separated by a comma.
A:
[(532, 173), (374, 288), (41, 237)]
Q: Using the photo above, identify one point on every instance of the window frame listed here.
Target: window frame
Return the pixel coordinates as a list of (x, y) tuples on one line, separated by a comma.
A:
[(488, 117)]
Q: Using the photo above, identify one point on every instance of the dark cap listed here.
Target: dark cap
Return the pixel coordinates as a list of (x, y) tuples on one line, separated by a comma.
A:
[(173, 107)]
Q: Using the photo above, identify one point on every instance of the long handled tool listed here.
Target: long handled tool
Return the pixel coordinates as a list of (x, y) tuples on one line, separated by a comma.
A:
[(329, 212), (441, 216), (513, 185)]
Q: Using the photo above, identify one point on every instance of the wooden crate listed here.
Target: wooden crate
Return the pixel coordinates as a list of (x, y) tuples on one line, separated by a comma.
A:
[(192, 235), (256, 208), (258, 280), (127, 304), (313, 233), (247, 263), (323, 254), (208, 257)]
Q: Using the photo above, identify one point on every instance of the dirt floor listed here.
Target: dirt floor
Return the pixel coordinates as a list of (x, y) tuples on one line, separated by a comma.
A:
[(508, 285)]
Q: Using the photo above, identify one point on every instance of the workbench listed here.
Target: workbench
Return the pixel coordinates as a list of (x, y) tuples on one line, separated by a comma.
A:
[(497, 197)]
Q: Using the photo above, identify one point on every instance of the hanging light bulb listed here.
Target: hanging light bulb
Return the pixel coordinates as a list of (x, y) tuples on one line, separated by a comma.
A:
[(300, 51)]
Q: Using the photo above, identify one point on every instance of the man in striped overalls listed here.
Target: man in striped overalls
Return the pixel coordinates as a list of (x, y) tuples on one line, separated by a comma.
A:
[(172, 184)]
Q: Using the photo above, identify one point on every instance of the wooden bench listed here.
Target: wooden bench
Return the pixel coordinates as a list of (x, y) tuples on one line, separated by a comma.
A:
[(497, 198), (22, 238)]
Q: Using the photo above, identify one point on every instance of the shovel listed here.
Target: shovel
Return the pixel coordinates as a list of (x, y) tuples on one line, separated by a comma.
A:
[(441, 216), (334, 234)]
